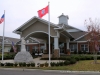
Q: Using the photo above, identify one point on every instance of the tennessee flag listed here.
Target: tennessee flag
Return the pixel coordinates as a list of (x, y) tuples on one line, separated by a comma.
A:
[(43, 11), (2, 19)]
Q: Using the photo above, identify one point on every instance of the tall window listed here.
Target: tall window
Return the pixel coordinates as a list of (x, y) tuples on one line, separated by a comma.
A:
[(42, 48), (35, 49), (73, 47), (84, 47), (27, 48), (61, 46)]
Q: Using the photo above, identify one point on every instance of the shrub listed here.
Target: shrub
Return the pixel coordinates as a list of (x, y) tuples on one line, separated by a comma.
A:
[(23, 64), (82, 58), (15, 64), (84, 52), (9, 64), (77, 58), (88, 57), (75, 52), (57, 64), (68, 58), (98, 53), (41, 65), (98, 57), (28, 64), (2, 64), (0, 57), (32, 64), (61, 63), (66, 62), (52, 64), (46, 64), (80, 52), (89, 53), (20, 64), (72, 61)]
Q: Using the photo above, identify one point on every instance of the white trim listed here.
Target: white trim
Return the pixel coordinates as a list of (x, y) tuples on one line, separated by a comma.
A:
[(34, 39), (72, 30), (18, 32), (29, 43), (59, 27), (81, 41)]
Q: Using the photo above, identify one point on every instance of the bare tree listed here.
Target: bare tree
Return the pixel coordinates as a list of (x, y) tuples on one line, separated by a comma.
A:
[(93, 28)]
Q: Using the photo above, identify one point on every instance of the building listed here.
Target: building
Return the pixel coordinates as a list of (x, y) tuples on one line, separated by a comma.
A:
[(64, 38), (7, 43)]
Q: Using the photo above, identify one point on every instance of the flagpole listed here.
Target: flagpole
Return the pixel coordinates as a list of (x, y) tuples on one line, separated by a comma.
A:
[(3, 38), (49, 29)]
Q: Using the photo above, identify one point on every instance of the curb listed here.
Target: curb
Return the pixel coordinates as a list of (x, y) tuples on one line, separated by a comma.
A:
[(80, 71), (61, 71)]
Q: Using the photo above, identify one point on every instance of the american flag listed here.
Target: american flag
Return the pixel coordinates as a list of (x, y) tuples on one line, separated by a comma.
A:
[(2, 19), (14, 48)]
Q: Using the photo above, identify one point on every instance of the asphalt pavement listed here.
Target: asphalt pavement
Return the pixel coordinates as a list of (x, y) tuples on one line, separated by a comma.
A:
[(21, 71), (12, 71)]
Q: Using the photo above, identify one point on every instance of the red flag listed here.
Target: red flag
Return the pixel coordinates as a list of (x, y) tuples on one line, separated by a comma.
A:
[(43, 12)]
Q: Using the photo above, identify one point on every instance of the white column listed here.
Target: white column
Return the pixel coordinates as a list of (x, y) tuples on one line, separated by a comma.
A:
[(67, 41), (56, 43)]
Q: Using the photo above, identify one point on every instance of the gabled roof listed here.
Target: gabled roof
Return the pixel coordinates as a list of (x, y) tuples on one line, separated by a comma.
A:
[(33, 19), (67, 29), (75, 32), (78, 35), (9, 39)]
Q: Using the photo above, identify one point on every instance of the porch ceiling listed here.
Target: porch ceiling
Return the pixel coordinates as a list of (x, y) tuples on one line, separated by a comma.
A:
[(40, 35)]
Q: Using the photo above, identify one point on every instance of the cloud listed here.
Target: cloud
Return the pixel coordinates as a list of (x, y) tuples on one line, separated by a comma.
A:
[(18, 12)]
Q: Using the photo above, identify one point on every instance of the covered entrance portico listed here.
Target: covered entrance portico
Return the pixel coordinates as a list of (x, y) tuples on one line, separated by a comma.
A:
[(38, 28)]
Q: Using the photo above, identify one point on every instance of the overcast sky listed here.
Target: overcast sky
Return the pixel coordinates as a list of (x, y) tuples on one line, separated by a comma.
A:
[(18, 12)]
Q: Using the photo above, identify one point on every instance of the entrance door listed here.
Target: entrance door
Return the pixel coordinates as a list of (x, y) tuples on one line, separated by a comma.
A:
[(35, 50)]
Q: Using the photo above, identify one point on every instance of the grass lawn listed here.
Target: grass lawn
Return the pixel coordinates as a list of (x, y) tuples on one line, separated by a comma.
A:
[(86, 65)]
